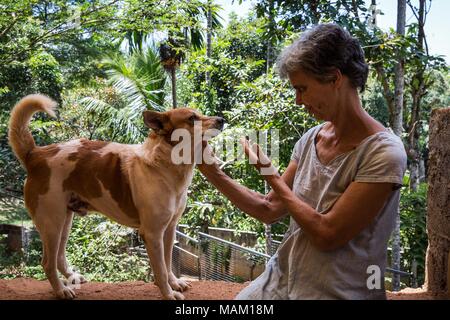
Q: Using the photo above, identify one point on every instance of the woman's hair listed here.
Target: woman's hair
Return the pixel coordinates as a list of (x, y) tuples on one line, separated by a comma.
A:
[(321, 50)]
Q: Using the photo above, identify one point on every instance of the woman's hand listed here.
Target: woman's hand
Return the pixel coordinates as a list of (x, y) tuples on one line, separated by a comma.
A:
[(207, 158), (258, 158)]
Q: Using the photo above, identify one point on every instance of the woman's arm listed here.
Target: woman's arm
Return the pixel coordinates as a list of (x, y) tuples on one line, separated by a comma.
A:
[(352, 212), (267, 209)]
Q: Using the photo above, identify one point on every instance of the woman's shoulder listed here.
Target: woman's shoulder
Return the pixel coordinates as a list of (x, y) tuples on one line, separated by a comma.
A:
[(386, 141), (383, 149)]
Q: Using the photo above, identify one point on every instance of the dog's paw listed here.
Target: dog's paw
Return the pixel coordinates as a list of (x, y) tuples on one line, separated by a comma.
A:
[(178, 296), (74, 279), (77, 278), (174, 296), (179, 285), (66, 294)]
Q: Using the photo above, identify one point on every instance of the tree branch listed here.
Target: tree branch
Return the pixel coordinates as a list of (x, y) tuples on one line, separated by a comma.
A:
[(8, 28)]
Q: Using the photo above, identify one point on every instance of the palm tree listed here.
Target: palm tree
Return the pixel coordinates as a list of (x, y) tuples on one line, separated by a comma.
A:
[(138, 78), (172, 50), (171, 56)]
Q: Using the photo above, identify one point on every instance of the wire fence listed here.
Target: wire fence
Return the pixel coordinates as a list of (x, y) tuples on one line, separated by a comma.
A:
[(185, 256), (227, 261), (206, 257)]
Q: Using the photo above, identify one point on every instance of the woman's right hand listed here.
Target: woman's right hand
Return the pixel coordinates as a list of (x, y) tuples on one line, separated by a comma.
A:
[(208, 158)]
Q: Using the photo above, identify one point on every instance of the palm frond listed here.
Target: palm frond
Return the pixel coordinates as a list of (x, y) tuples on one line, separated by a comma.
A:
[(139, 78), (120, 120)]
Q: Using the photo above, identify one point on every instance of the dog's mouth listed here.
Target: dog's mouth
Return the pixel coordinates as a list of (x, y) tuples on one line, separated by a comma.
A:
[(219, 123), (214, 130)]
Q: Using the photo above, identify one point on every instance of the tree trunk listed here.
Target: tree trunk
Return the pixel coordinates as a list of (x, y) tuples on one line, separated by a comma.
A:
[(271, 25), (208, 43), (413, 142), (418, 91), (314, 6), (422, 170), (397, 127), (438, 215), (373, 18), (173, 77)]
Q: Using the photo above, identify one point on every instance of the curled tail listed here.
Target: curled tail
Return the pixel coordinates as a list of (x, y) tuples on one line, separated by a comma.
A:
[(19, 134)]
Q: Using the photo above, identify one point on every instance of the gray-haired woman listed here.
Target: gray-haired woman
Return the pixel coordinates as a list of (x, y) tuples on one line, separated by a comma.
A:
[(341, 188)]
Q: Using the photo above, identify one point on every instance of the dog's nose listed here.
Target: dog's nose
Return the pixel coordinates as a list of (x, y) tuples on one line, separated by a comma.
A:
[(220, 121)]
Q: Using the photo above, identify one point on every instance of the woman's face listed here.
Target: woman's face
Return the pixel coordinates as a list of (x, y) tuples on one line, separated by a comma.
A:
[(318, 98)]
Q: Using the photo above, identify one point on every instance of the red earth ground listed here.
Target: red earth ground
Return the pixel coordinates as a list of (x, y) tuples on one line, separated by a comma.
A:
[(31, 289)]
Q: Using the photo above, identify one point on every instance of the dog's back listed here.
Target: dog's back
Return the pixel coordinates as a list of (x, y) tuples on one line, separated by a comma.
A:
[(80, 169)]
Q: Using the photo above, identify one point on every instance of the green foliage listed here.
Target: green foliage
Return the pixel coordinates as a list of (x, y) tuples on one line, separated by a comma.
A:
[(12, 211), (182, 20), (96, 247), (263, 104), (40, 73), (11, 172), (374, 102), (99, 248), (238, 54), (36, 34), (413, 229), (46, 75), (138, 80)]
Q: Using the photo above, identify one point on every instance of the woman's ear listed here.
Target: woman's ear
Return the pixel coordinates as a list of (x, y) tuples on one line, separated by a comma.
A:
[(338, 78)]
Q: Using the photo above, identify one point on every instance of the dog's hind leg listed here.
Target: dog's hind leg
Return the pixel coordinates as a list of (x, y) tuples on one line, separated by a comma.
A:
[(50, 220), (63, 267), (155, 249), (169, 237)]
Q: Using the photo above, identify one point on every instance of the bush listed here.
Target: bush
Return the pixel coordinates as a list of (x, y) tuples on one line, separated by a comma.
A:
[(413, 229), (97, 248)]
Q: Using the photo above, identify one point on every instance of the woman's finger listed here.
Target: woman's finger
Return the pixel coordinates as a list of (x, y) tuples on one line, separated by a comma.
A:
[(249, 151)]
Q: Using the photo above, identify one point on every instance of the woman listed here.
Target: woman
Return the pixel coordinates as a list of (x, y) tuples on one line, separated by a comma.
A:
[(341, 187)]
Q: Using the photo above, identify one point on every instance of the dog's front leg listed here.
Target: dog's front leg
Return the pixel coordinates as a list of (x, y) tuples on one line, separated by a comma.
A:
[(169, 237), (155, 250)]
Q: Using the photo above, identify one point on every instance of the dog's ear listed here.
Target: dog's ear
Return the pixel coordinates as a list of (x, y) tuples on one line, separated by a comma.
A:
[(155, 120)]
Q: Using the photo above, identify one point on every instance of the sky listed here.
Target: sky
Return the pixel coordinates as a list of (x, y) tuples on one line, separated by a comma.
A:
[(437, 26)]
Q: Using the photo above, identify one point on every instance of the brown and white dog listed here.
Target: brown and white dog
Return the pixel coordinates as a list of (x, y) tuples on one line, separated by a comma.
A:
[(135, 185)]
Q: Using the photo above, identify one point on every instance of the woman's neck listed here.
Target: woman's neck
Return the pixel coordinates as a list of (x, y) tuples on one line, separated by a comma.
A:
[(352, 122)]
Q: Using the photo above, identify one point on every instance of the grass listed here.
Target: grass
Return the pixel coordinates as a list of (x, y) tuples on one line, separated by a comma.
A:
[(12, 211)]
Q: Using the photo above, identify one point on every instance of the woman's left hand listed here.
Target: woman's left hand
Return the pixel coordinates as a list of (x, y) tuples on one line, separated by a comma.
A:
[(258, 158)]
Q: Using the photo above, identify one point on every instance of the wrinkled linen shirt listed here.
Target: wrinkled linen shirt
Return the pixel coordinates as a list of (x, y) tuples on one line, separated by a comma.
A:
[(298, 270)]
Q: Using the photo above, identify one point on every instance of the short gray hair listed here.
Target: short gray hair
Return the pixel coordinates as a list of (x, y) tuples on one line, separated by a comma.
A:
[(321, 50)]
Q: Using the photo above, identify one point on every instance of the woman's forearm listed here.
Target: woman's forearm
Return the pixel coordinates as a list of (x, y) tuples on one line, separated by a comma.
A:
[(305, 216), (249, 201)]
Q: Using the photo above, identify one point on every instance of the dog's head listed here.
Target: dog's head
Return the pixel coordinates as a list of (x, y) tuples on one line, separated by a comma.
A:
[(165, 123)]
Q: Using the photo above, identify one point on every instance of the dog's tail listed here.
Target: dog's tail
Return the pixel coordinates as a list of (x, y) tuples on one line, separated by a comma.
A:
[(19, 134)]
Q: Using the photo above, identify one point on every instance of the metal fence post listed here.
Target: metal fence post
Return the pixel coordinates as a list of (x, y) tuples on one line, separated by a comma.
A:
[(414, 273)]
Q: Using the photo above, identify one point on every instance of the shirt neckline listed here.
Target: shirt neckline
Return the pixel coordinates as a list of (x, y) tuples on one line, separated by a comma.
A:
[(344, 153)]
